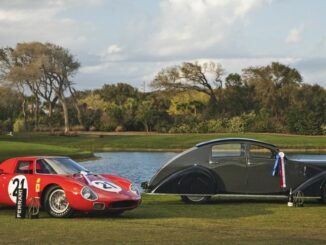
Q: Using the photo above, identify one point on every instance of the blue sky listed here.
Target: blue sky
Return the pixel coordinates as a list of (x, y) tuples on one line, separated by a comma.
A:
[(131, 40)]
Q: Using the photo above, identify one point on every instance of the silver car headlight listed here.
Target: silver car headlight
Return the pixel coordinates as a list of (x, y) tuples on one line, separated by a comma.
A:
[(88, 194), (134, 189)]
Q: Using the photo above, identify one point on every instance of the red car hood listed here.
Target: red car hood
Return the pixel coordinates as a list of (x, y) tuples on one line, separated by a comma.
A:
[(98, 181)]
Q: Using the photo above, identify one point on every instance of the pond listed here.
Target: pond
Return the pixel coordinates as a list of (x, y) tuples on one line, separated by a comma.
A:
[(135, 166)]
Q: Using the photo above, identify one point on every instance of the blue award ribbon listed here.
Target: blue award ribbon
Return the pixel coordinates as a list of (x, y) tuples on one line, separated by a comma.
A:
[(276, 165)]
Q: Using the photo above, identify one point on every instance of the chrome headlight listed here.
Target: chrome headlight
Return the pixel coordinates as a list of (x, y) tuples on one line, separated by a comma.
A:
[(88, 194), (134, 189)]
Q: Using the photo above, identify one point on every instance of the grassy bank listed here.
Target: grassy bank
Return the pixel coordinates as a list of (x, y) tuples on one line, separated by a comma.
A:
[(10, 149), (82, 146), (165, 220), (101, 142)]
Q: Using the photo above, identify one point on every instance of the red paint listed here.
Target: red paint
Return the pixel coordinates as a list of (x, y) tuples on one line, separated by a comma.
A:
[(71, 184)]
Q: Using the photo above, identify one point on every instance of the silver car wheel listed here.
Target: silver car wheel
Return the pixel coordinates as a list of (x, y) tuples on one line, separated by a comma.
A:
[(58, 202), (196, 198)]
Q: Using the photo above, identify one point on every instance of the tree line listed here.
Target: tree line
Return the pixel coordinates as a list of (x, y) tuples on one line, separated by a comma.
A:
[(37, 93)]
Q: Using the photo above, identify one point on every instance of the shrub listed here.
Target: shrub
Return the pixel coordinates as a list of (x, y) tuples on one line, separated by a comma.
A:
[(236, 125), (183, 128), (119, 128), (5, 125), (19, 125), (323, 128), (107, 123), (215, 126), (78, 128)]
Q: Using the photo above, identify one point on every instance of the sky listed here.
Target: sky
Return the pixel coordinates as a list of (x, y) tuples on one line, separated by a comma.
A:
[(131, 40)]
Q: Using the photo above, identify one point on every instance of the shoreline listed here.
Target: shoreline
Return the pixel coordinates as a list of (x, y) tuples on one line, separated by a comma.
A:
[(179, 150)]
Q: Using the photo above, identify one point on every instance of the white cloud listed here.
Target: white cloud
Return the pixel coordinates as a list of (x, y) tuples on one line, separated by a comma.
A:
[(114, 49), (120, 43), (192, 26), (295, 34), (138, 72), (24, 21)]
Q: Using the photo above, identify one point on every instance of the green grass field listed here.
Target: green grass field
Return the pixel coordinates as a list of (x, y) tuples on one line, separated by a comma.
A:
[(166, 220), (10, 149), (163, 142), (82, 146)]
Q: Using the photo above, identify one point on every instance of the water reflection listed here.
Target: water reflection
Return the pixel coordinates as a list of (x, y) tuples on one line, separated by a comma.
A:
[(135, 166)]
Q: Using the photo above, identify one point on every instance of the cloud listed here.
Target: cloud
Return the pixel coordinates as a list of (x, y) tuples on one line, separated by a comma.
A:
[(295, 34), (313, 70), (24, 21), (114, 49), (138, 72), (38, 4), (194, 26), (130, 41)]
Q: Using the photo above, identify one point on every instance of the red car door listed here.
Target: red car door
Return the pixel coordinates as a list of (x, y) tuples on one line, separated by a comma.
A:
[(23, 177)]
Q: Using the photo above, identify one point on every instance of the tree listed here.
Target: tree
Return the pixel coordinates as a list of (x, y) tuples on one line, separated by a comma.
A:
[(237, 96), (308, 114), (13, 65), (10, 107), (273, 85), (185, 103), (57, 69), (204, 78), (146, 114), (118, 93), (233, 80), (45, 69)]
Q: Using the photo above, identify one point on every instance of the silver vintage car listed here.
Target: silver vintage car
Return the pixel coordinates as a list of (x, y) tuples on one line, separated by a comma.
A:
[(238, 167)]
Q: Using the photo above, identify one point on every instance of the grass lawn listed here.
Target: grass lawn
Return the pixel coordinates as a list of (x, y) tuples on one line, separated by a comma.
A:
[(162, 142), (10, 149), (166, 220)]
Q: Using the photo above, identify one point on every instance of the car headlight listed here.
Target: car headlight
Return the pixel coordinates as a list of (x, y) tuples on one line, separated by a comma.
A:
[(134, 189), (88, 194)]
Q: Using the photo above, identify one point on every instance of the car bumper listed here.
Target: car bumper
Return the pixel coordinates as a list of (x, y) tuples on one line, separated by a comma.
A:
[(115, 202)]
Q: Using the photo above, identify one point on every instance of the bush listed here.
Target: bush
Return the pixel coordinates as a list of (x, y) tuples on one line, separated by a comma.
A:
[(183, 128), (215, 126), (77, 128), (119, 128), (107, 123), (323, 128), (92, 128), (5, 125), (236, 125), (19, 125)]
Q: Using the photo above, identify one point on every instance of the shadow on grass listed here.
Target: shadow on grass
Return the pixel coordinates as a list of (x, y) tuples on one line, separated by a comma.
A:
[(174, 208)]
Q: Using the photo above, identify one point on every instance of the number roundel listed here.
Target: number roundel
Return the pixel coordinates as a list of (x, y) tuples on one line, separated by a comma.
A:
[(16, 182), (106, 186)]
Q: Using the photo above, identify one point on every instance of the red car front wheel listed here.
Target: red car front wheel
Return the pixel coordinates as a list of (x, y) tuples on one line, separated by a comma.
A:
[(56, 203)]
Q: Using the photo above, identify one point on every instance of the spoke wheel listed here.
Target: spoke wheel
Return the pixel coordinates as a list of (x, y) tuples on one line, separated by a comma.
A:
[(56, 203), (298, 199)]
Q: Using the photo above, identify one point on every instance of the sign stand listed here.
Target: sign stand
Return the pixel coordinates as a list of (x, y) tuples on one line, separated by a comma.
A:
[(34, 208), (21, 203)]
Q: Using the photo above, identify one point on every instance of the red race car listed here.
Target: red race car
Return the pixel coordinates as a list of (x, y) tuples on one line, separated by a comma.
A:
[(63, 186)]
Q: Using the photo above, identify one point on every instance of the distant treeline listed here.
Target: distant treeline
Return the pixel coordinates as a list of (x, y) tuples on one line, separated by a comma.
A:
[(37, 94)]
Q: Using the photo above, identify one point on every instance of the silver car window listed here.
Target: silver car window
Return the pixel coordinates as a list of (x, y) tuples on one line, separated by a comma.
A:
[(228, 150)]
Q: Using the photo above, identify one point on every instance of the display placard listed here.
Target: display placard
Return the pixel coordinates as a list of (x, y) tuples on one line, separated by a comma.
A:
[(21, 203)]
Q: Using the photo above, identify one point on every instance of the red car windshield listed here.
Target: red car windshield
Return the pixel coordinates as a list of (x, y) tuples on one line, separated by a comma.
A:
[(58, 166)]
